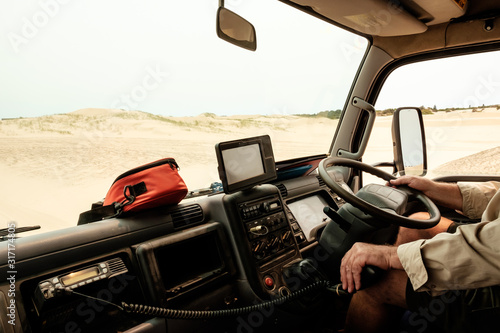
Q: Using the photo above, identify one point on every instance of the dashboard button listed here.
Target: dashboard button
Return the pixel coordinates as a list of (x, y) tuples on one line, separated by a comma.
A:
[(269, 282)]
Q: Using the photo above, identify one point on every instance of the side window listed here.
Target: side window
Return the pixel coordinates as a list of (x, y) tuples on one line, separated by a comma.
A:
[(460, 99)]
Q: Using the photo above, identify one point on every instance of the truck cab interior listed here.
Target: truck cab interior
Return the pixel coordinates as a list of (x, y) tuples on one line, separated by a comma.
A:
[(262, 251)]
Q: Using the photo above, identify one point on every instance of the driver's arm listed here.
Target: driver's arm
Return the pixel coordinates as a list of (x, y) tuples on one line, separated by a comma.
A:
[(466, 259), (444, 194), (469, 258)]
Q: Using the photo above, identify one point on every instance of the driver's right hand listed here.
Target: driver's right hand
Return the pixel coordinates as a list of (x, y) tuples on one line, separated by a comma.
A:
[(418, 183), (445, 194)]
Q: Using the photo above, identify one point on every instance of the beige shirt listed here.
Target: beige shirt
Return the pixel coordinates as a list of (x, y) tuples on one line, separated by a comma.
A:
[(466, 259)]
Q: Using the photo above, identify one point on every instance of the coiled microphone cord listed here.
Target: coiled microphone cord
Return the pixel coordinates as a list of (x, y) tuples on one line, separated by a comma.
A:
[(193, 314)]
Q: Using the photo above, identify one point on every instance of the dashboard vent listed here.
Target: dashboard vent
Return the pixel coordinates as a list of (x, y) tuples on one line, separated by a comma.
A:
[(321, 181), (283, 190), (117, 266), (188, 215)]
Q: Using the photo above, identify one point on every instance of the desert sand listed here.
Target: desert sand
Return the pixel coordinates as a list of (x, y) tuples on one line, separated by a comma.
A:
[(53, 167)]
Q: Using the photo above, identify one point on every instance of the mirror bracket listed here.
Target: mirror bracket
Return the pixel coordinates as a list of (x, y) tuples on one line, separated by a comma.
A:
[(363, 105)]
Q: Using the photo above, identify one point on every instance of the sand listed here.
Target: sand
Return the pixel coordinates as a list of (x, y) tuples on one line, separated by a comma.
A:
[(53, 167)]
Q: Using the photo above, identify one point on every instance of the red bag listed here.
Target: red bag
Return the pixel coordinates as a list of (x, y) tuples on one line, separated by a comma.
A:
[(148, 186)]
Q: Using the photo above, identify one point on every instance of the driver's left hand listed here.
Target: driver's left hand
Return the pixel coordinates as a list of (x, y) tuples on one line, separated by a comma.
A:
[(361, 255)]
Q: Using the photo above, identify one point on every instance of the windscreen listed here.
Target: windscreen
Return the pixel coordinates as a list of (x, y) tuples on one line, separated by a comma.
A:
[(95, 88)]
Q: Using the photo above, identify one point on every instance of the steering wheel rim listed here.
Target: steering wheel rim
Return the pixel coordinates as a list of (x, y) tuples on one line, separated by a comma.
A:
[(435, 215)]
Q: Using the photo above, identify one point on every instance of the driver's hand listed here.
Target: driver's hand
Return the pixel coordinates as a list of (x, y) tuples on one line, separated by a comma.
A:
[(418, 183), (445, 194), (362, 254)]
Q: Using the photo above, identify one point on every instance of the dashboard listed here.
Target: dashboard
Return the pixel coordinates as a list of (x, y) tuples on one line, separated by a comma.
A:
[(215, 252)]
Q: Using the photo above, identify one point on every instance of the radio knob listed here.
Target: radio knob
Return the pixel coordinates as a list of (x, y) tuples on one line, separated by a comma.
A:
[(264, 207), (258, 249), (273, 244), (286, 238)]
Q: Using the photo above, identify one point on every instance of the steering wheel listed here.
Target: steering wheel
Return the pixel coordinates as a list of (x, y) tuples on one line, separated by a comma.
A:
[(385, 216)]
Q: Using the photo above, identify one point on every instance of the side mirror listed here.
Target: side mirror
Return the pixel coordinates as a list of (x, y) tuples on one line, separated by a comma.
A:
[(408, 136), (235, 29)]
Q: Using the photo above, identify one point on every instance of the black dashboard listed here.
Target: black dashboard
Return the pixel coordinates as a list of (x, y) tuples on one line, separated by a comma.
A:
[(214, 252)]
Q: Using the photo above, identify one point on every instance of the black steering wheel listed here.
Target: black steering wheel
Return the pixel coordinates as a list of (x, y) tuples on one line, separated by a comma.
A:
[(385, 216)]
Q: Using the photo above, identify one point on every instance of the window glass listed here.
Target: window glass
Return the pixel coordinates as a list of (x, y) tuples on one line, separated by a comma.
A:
[(91, 89), (460, 99)]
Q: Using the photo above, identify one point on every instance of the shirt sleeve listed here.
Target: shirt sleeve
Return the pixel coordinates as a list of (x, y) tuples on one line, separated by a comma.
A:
[(476, 197), (466, 259)]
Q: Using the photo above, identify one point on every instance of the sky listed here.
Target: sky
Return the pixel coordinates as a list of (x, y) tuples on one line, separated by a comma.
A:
[(164, 57), (459, 82)]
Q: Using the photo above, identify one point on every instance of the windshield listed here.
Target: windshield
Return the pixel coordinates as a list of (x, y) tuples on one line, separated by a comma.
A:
[(92, 89)]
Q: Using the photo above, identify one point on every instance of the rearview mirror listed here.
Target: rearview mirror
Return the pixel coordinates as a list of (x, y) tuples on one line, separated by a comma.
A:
[(235, 29), (408, 136)]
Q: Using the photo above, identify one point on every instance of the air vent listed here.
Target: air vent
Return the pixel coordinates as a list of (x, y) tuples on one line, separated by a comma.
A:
[(188, 215), (283, 190), (321, 181), (116, 266)]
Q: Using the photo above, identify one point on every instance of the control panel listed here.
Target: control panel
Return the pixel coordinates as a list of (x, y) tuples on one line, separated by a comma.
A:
[(266, 227), (263, 236)]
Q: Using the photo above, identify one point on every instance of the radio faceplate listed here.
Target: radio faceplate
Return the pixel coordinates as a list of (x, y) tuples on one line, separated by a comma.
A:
[(258, 208), (55, 286)]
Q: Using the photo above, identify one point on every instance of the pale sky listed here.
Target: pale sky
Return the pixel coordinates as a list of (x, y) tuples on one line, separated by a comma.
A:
[(164, 57), (451, 82)]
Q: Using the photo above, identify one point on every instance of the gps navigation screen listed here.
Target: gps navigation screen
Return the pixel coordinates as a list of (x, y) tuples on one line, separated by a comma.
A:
[(242, 163)]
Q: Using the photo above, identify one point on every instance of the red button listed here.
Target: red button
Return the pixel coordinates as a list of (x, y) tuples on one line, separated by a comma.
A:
[(269, 282)]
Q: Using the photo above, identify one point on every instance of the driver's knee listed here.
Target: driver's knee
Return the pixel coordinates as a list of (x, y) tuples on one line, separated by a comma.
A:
[(390, 290), (406, 235)]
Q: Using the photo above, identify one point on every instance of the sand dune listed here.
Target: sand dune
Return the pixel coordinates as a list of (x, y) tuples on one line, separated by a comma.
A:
[(55, 166), (486, 162)]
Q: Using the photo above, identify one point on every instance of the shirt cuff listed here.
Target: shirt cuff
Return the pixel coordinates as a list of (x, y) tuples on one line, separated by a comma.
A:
[(410, 256)]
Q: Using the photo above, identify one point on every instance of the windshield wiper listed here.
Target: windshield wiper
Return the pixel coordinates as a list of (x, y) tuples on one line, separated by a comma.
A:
[(5, 232)]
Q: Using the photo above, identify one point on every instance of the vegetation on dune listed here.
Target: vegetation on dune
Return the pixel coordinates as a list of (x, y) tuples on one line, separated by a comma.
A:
[(323, 114), (389, 112), (119, 122), (113, 121)]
